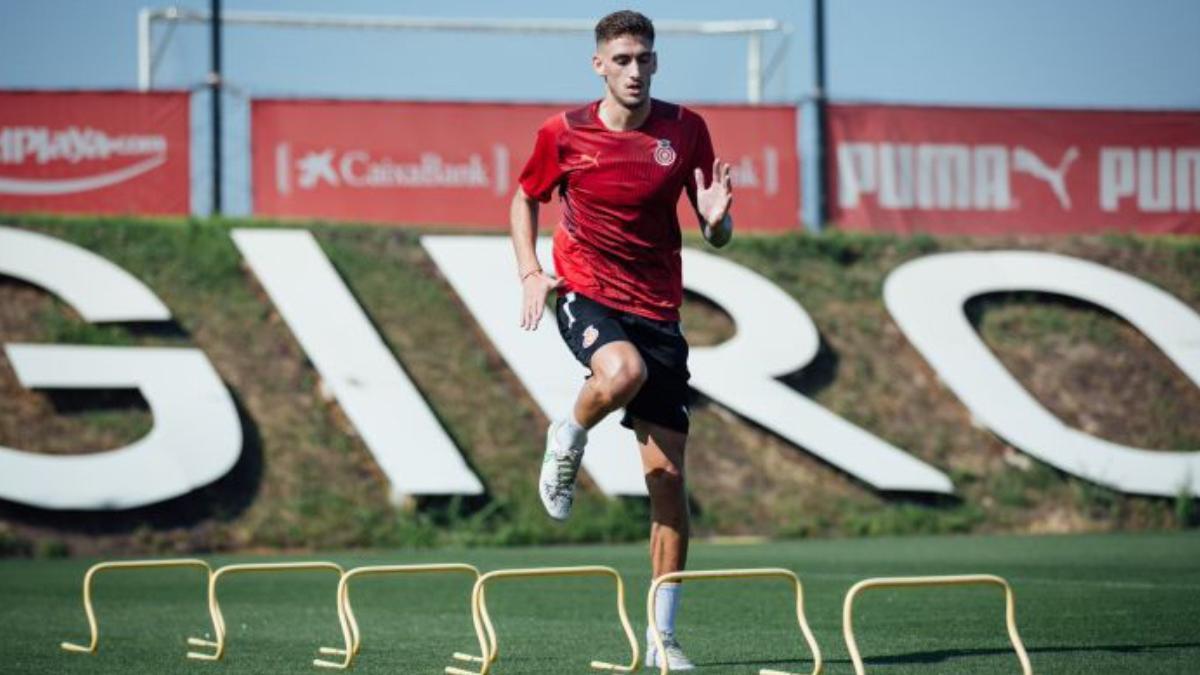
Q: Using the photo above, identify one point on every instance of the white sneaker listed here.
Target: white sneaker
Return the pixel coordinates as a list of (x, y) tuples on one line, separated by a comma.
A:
[(556, 485), (676, 659)]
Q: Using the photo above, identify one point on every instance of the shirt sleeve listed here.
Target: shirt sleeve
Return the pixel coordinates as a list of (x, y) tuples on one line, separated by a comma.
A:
[(702, 158), (543, 172)]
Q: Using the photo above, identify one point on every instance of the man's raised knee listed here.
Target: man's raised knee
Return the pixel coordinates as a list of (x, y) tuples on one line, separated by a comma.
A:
[(620, 378), (629, 377)]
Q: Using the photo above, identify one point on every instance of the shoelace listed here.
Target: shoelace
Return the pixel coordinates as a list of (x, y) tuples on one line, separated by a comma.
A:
[(566, 475), (672, 648)]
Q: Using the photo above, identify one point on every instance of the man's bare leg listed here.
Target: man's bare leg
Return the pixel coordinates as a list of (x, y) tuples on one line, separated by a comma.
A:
[(662, 462), (618, 373), (662, 452)]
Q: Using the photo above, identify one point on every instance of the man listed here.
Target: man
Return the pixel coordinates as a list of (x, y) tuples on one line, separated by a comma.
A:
[(619, 166)]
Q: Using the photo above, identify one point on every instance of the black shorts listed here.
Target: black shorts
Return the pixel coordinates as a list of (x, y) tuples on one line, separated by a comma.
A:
[(586, 325)]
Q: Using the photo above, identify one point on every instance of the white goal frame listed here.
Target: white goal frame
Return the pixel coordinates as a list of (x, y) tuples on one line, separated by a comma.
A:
[(757, 75)]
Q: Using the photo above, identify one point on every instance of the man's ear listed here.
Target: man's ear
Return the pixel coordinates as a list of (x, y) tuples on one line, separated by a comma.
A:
[(653, 62), (598, 64)]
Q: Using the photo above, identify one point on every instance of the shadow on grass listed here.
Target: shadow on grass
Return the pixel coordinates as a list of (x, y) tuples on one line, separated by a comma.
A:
[(943, 655), (948, 654), (816, 375), (978, 306)]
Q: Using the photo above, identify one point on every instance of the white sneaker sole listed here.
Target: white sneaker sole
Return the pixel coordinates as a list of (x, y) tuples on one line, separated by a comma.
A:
[(652, 662)]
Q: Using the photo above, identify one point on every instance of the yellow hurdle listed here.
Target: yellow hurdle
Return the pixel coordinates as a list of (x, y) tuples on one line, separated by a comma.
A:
[(488, 644), (351, 635), (1010, 615), (122, 565), (765, 572), (214, 608)]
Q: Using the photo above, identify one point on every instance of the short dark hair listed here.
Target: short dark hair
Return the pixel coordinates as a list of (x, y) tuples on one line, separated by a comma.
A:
[(624, 22)]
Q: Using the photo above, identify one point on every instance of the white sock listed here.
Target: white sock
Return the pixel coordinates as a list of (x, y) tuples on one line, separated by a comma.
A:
[(571, 434), (666, 603)]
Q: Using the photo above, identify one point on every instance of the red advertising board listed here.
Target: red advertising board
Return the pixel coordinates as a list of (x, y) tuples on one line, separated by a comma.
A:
[(994, 171), (95, 152), (458, 163)]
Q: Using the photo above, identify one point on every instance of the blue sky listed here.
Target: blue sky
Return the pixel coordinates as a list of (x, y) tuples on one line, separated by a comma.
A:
[(1036, 53)]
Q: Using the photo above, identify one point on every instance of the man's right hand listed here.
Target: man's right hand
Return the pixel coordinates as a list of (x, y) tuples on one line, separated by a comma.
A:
[(534, 289)]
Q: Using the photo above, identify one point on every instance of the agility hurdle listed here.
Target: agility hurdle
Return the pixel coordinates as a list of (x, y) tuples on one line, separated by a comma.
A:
[(765, 572), (89, 610), (352, 636), (488, 644), (1010, 616), (214, 608)]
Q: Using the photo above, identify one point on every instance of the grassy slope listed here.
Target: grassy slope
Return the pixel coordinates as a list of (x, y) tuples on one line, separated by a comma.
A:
[(314, 484), (1085, 604)]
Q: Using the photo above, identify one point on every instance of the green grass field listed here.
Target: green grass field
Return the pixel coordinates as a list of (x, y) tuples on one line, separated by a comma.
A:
[(1085, 604)]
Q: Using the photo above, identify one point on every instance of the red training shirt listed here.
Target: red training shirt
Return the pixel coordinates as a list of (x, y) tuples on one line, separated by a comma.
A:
[(618, 242)]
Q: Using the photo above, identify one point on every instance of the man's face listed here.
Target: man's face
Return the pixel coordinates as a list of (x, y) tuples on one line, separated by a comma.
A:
[(626, 63)]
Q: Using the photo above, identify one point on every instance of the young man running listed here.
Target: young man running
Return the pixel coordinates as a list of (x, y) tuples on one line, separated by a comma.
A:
[(619, 165)]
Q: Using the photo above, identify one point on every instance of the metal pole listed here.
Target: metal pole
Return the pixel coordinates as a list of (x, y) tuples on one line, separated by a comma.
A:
[(754, 73), (214, 81), (143, 30), (819, 100)]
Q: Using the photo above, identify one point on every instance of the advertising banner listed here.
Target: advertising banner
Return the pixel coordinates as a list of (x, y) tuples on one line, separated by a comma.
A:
[(996, 171), (95, 152), (458, 163)]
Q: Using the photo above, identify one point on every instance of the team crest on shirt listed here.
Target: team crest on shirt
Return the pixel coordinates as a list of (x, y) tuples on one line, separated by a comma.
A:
[(589, 336), (664, 154)]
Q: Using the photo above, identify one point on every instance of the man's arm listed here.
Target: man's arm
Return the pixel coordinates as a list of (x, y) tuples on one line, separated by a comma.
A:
[(717, 235), (535, 283), (523, 214)]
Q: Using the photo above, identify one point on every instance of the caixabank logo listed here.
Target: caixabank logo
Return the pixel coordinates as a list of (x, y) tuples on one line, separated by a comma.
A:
[(362, 169), (196, 435)]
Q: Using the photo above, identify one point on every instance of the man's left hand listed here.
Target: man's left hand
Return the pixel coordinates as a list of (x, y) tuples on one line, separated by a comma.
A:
[(713, 202)]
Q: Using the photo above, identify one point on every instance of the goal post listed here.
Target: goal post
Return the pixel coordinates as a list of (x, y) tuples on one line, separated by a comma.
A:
[(758, 71)]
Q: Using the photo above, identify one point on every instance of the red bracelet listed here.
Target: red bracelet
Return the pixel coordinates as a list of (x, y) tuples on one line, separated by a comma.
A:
[(529, 274)]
